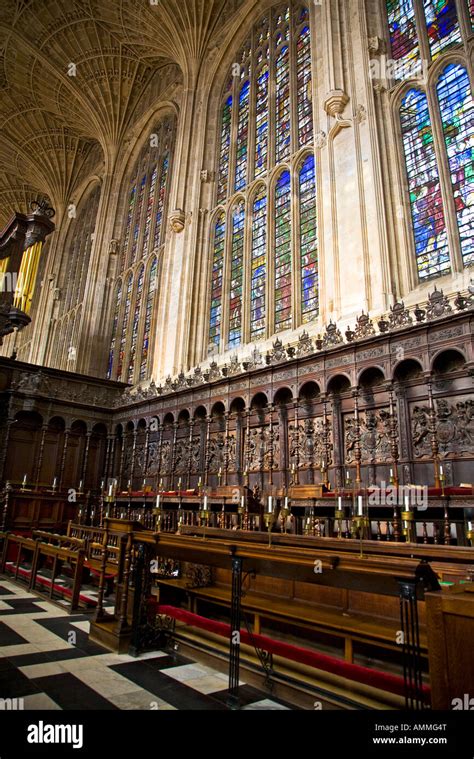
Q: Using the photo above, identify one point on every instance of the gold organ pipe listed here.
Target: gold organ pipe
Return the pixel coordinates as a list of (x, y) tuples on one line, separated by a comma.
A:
[(27, 278)]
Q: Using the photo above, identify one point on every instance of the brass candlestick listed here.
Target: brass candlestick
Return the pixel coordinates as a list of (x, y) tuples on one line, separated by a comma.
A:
[(158, 514), (470, 532), (204, 516), (269, 519), (284, 514), (408, 527)]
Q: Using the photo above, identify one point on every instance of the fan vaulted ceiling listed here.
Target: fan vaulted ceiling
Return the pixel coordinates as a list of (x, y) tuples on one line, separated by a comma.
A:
[(73, 76)]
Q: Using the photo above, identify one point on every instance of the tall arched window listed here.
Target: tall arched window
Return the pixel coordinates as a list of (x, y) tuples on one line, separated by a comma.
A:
[(266, 131), (73, 276), (437, 129), (143, 234)]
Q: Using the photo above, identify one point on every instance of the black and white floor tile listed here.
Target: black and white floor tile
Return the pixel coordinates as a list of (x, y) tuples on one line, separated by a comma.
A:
[(47, 660)]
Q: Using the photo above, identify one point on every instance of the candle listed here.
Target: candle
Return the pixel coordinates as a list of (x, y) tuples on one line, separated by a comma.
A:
[(242, 502), (360, 506), (111, 490), (205, 504), (347, 476), (129, 485), (270, 504), (144, 484), (469, 525), (55, 482), (179, 484), (161, 485), (391, 472), (80, 486), (286, 502), (200, 482), (158, 501), (102, 485), (24, 479), (407, 503), (339, 503), (441, 470)]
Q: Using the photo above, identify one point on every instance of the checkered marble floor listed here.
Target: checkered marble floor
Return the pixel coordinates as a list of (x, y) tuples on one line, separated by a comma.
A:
[(47, 660)]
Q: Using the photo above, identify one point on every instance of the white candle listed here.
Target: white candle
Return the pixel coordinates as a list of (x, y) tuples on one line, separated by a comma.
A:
[(286, 502), (129, 484), (111, 490), (339, 503), (270, 504), (80, 486), (469, 525), (441, 470), (158, 501), (102, 485), (55, 482), (407, 503), (391, 472), (179, 484), (347, 475), (24, 479), (360, 509), (242, 501), (205, 504), (161, 485)]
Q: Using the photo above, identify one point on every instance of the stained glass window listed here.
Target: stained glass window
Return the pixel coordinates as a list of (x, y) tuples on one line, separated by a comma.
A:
[(283, 119), (236, 275), (160, 206), (429, 227), (128, 225), (265, 117), (305, 113), (118, 301), (441, 24), (124, 332), (150, 299), (283, 252), (135, 325), (261, 137), (138, 215), (258, 265), (242, 138), (457, 116), (308, 241), (224, 151), (149, 210), (217, 278), (471, 12), (402, 27), (144, 229)]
